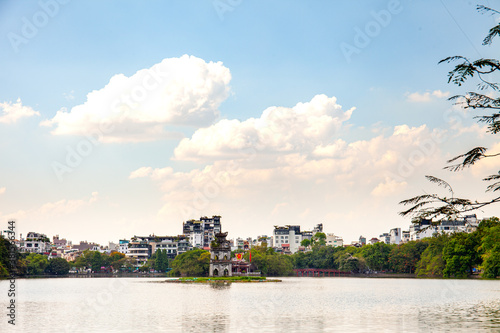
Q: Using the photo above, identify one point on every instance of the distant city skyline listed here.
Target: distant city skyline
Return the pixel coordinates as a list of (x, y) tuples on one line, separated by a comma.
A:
[(283, 113)]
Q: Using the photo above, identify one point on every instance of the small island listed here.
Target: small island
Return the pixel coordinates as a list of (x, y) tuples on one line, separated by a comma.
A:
[(225, 279)]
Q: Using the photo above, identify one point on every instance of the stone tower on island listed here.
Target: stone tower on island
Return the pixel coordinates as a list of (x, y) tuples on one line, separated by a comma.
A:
[(220, 256)]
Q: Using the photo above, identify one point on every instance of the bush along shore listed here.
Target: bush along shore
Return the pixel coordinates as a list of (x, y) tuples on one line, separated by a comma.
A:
[(225, 279)]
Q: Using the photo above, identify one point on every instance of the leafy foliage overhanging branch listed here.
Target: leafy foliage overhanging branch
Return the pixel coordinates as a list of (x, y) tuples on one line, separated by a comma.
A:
[(436, 207)]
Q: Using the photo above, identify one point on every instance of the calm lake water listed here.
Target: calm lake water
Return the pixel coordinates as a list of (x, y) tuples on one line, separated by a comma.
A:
[(295, 305)]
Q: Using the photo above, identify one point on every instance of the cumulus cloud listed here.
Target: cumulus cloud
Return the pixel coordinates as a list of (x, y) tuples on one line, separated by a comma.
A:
[(389, 187), (331, 175), (64, 206), (183, 91), (277, 130), (49, 210), (12, 112), (289, 166), (417, 97)]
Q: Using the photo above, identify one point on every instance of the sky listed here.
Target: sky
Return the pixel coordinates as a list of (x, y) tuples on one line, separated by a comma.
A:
[(123, 118)]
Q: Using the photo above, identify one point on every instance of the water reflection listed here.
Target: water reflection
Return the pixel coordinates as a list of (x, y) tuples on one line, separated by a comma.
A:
[(206, 322), (295, 305), (220, 285)]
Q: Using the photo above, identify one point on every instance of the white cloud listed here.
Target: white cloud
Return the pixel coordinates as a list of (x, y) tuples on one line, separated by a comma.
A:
[(12, 112), (317, 178), (64, 206), (389, 187), (330, 150), (33, 217), (177, 91), (440, 94), (278, 130), (417, 97), (2, 190)]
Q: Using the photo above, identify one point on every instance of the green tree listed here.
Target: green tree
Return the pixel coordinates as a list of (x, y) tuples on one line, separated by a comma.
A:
[(491, 263), (57, 266), (377, 256), (436, 206), (6, 248), (488, 223), (319, 238), (490, 248), (404, 258), (36, 264), (161, 262), (191, 263), (460, 255), (279, 265), (349, 263), (116, 260), (305, 242), (431, 261), (3, 271), (96, 261), (4, 256)]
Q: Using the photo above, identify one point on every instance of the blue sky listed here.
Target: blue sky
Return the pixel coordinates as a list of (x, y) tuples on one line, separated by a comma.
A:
[(264, 54)]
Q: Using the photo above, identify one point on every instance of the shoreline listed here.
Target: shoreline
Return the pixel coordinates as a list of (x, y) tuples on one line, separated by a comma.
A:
[(163, 275)]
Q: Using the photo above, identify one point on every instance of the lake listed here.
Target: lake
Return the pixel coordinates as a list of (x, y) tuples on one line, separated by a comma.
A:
[(294, 305)]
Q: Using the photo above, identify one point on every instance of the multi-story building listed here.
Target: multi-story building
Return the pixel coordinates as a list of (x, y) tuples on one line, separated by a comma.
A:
[(172, 245), (202, 232), (193, 229), (426, 228), (239, 243), (362, 240), (395, 235), (307, 235), (423, 230), (123, 246), (318, 228), (405, 236), (86, 246), (287, 237), (263, 239), (113, 247), (335, 241), (183, 245), (386, 238), (36, 243), (59, 242), (139, 250)]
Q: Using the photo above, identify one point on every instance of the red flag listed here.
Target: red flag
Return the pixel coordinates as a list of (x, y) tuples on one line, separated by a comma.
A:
[(250, 257)]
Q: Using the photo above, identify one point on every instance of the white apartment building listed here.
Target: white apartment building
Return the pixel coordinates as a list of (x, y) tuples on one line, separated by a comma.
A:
[(425, 229), (335, 241), (395, 235), (36, 243), (202, 232), (123, 246), (287, 236), (405, 236), (385, 237), (140, 251)]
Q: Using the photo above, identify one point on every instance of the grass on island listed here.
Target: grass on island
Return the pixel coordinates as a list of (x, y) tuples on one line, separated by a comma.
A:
[(222, 278)]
